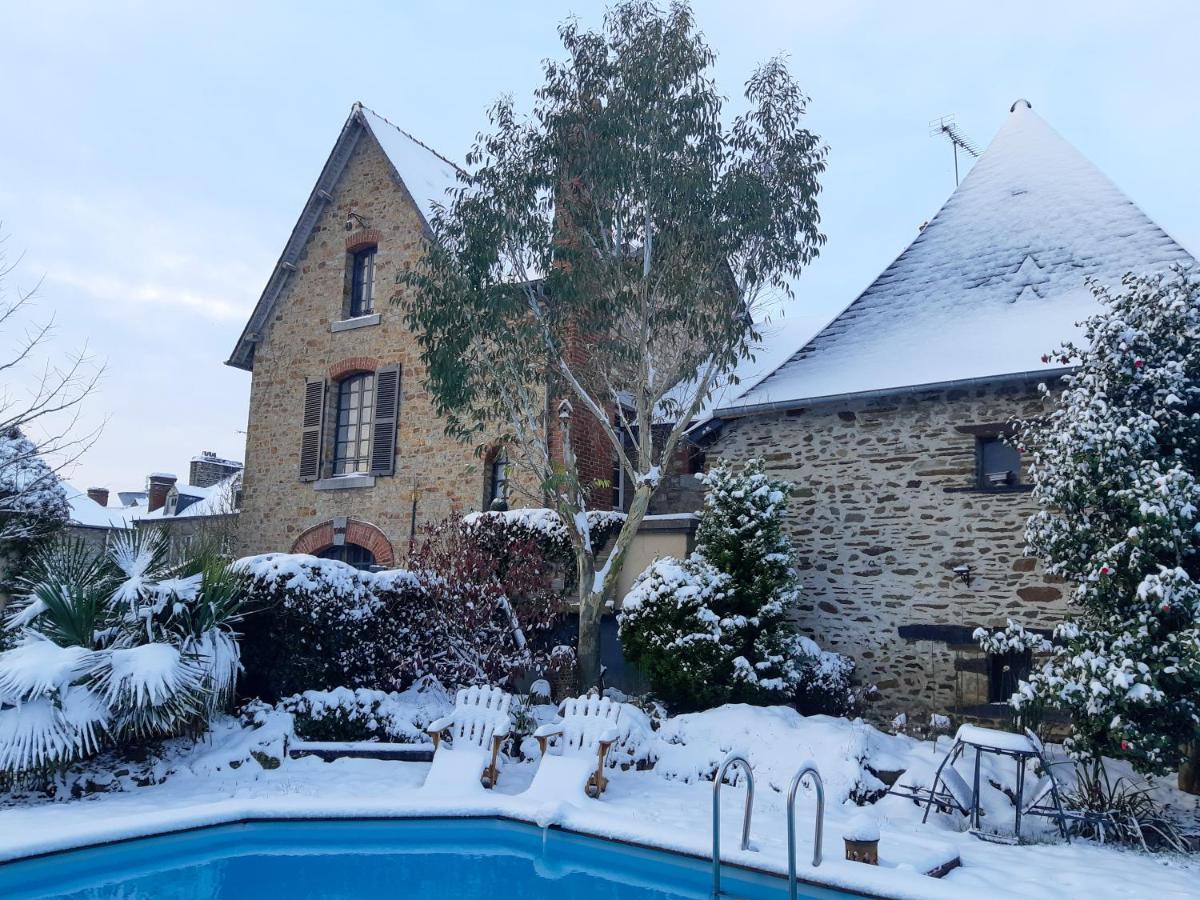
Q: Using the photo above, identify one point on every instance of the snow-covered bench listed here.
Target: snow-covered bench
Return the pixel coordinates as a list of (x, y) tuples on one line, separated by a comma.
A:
[(477, 727), (587, 728)]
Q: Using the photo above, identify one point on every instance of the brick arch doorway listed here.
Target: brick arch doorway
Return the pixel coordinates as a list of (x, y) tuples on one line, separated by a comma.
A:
[(320, 540)]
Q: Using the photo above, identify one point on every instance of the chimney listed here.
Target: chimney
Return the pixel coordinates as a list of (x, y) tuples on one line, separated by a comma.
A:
[(100, 495), (157, 487), (208, 468)]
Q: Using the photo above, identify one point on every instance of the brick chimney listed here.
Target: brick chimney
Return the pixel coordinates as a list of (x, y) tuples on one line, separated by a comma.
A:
[(100, 495), (158, 485)]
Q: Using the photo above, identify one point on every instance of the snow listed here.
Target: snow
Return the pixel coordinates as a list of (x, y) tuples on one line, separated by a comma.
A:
[(149, 674), (991, 737), (455, 772), (994, 281), (218, 780), (427, 175), (38, 666), (862, 827)]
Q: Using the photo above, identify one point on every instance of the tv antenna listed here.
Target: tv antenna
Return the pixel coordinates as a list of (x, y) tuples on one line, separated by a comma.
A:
[(945, 125)]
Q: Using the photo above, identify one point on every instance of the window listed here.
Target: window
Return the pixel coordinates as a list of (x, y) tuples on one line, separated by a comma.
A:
[(352, 554), (997, 463), (362, 282), (497, 479), (1005, 672), (352, 441), (621, 496)]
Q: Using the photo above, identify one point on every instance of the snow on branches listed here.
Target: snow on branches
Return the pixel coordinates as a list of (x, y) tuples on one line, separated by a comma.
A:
[(714, 628), (1115, 467), (32, 499)]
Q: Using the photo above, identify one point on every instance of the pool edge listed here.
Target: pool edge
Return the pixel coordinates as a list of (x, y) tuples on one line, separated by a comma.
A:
[(251, 819)]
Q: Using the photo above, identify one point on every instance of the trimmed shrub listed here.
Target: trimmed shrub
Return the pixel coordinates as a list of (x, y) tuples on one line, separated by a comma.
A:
[(361, 714), (479, 606)]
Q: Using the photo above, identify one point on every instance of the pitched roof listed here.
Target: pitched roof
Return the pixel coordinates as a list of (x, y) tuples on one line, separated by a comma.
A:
[(994, 280), (88, 513), (424, 173)]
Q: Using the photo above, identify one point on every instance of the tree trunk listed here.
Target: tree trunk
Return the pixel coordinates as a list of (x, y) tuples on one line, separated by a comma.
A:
[(595, 595), (1189, 772), (591, 611)]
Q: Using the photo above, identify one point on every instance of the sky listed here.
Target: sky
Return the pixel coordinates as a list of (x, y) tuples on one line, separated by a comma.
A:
[(155, 156)]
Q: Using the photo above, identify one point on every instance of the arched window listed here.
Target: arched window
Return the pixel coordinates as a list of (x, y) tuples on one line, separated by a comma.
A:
[(352, 440), (352, 554), (497, 479)]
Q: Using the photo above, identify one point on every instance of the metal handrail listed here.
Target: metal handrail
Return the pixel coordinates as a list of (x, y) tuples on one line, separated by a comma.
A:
[(808, 768), (732, 759)]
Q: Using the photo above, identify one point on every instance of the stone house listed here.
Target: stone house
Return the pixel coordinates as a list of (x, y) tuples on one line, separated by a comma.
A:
[(910, 506), (345, 454)]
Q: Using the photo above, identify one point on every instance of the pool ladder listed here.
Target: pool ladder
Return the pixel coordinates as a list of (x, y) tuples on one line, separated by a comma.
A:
[(807, 769)]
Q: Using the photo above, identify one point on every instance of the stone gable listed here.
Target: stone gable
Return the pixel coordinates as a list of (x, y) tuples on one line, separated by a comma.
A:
[(885, 510), (434, 472)]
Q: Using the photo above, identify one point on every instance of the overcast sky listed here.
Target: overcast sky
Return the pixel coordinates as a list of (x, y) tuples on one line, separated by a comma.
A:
[(156, 155)]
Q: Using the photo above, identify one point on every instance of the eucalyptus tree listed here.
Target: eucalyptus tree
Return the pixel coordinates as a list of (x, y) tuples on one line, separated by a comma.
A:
[(597, 271)]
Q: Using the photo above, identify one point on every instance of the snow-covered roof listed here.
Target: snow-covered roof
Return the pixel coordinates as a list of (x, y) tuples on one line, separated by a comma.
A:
[(994, 281), (424, 173), (87, 512), (216, 500)]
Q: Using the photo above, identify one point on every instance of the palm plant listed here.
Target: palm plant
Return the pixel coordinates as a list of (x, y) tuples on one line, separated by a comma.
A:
[(117, 645)]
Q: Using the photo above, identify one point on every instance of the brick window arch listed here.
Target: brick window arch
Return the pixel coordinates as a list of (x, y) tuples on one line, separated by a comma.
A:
[(352, 365), (320, 538)]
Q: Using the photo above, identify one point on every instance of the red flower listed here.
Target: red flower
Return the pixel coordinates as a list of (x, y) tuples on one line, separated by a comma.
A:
[(1104, 570), (1137, 363), (1045, 357), (1124, 745)]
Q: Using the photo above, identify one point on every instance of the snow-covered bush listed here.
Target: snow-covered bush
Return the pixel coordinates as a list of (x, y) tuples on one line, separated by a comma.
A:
[(32, 499), (466, 614), (486, 616), (318, 624), (499, 532), (714, 628), (114, 647), (366, 715), (33, 505), (1115, 468)]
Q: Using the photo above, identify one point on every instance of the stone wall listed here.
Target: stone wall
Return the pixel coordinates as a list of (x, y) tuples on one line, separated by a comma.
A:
[(885, 509), (433, 475)]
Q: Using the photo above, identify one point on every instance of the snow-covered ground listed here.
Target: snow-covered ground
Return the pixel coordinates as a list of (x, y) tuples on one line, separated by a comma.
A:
[(220, 780)]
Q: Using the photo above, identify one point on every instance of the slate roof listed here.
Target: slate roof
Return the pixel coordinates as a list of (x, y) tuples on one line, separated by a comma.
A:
[(424, 173), (993, 281)]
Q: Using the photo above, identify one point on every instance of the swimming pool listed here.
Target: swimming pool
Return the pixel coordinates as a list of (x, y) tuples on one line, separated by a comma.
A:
[(454, 859)]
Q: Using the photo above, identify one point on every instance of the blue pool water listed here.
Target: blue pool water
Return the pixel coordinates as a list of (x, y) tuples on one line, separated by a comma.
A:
[(469, 859)]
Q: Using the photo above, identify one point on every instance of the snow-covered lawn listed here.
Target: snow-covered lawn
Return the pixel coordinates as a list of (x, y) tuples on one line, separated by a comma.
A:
[(667, 806)]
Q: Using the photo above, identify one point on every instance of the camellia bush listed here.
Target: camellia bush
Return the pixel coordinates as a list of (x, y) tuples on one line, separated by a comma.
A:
[(114, 647), (1115, 469), (715, 628)]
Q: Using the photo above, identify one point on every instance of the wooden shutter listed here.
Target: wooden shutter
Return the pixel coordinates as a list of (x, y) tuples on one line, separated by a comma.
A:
[(387, 412), (312, 428)]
